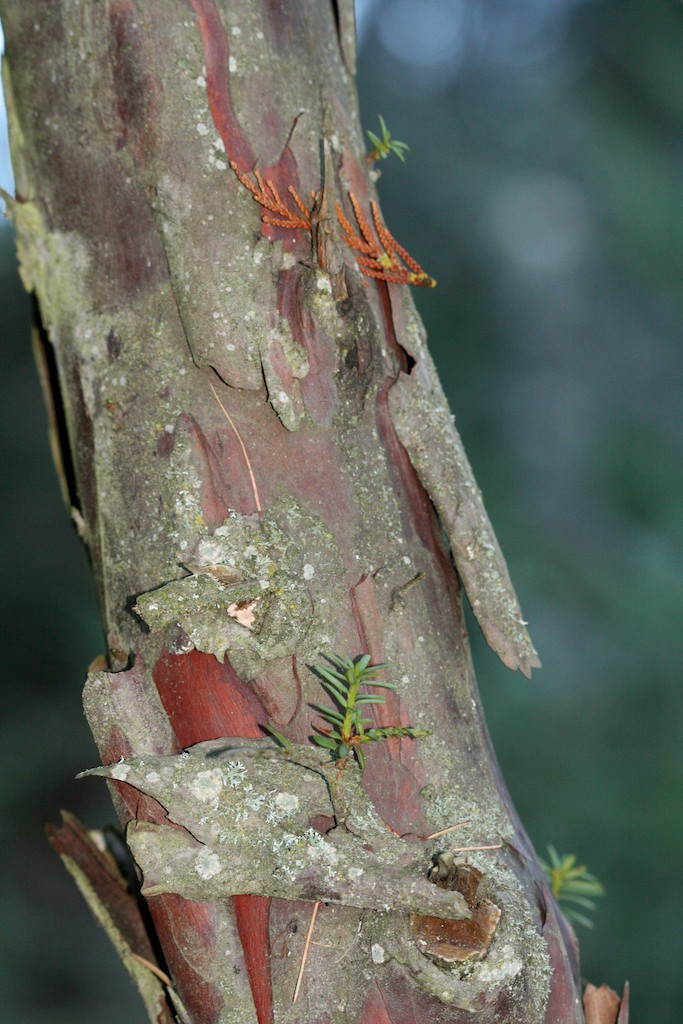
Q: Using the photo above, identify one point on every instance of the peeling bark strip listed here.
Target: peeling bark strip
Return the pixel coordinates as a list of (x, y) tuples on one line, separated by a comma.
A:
[(425, 427), (217, 58), (245, 831), (114, 908), (263, 463)]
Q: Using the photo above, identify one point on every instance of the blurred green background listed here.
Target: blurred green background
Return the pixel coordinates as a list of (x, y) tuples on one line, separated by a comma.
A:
[(543, 190)]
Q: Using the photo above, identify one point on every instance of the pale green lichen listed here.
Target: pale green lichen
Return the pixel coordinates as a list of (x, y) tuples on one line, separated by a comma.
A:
[(52, 264), (202, 609), (270, 563), (234, 842)]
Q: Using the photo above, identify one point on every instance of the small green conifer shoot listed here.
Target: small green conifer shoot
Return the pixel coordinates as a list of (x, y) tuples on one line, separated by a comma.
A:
[(572, 883), (348, 729), (385, 145)]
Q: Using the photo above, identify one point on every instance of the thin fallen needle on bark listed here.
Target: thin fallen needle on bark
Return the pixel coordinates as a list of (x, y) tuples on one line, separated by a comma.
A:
[(304, 958), (443, 831), (176, 1001), (460, 849), (244, 450), (163, 978), (466, 849)]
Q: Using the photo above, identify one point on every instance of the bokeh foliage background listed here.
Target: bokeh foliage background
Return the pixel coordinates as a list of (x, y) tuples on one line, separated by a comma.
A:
[(543, 190)]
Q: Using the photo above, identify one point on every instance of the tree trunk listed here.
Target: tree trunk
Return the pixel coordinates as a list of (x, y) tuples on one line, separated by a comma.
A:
[(262, 465)]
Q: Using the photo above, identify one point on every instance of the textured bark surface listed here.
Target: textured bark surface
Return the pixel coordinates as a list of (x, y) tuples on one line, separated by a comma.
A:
[(227, 409)]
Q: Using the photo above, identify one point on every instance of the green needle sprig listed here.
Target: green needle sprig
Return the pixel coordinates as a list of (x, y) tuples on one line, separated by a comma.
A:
[(384, 145), (348, 729), (572, 883)]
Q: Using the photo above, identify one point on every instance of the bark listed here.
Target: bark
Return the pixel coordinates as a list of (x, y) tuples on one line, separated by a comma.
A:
[(264, 469)]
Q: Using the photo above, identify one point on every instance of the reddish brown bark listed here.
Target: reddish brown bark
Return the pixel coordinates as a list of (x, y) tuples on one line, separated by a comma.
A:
[(168, 302)]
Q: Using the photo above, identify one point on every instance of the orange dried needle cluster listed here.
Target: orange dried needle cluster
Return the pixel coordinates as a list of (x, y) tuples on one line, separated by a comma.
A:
[(380, 256), (266, 195)]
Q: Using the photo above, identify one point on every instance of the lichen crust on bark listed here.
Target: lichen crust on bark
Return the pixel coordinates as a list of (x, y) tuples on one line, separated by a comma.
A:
[(274, 558), (245, 812), (239, 816), (264, 471)]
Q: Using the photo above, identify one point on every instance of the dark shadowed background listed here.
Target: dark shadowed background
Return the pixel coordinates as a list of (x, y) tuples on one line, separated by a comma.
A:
[(543, 189)]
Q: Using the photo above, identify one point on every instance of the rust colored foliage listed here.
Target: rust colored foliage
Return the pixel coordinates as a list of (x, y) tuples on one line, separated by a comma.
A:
[(378, 254), (266, 195)]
